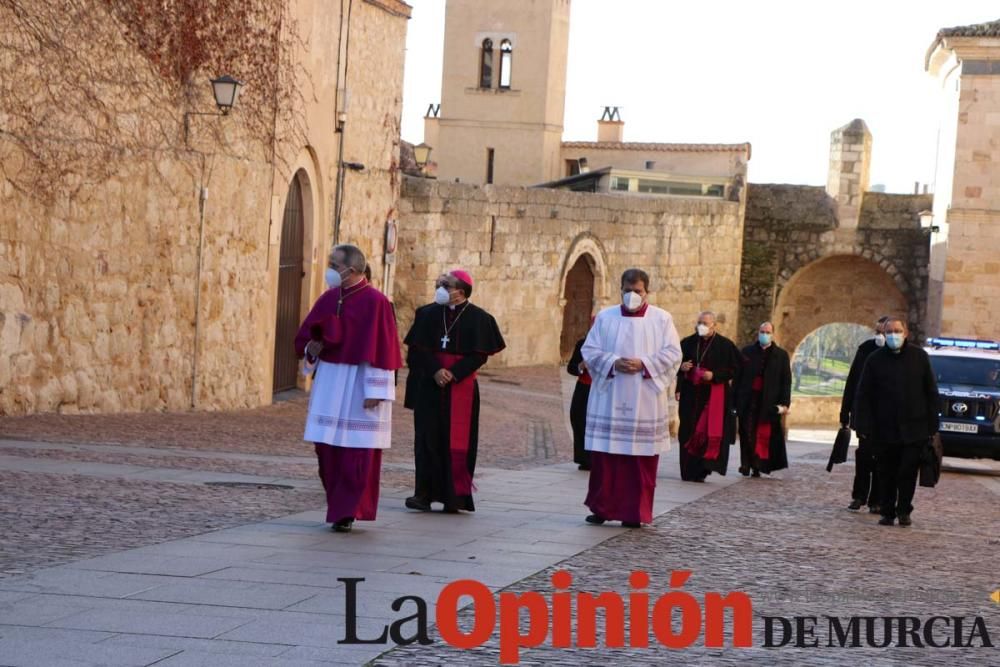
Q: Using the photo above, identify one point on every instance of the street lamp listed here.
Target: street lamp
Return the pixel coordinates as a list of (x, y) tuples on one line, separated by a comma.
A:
[(927, 221), (226, 90), (421, 154)]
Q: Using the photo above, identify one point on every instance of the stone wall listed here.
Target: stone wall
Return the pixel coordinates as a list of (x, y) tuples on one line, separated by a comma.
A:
[(971, 289), (793, 240), (520, 243), (98, 283), (814, 411), (972, 279), (375, 80)]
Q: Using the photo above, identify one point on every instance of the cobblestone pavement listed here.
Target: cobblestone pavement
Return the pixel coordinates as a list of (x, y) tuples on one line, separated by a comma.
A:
[(47, 519), (50, 519), (521, 424), (787, 542), (276, 467), (790, 544)]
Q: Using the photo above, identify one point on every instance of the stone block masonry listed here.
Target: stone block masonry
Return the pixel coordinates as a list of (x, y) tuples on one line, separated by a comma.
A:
[(520, 243), (802, 268), (98, 283)]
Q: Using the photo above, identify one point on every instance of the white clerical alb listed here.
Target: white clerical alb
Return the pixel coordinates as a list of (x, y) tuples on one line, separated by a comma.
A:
[(628, 413), (337, 415)]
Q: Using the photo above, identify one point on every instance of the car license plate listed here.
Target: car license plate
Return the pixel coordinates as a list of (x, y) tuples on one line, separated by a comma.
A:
[(959, 428)]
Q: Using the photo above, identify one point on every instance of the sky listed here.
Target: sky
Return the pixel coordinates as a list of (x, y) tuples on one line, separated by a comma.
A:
[(779, 74)]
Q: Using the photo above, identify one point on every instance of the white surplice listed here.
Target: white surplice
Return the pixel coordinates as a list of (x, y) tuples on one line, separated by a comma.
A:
[(337, 414), (629, 413)]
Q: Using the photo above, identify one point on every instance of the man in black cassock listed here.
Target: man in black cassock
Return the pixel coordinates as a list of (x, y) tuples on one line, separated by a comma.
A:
[(705, 394), (763, 394), (865, 488), (448, 342), (897, 408), (578, 406)]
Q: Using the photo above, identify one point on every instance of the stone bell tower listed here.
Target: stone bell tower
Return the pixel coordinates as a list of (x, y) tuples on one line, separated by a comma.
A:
[(503, 91)]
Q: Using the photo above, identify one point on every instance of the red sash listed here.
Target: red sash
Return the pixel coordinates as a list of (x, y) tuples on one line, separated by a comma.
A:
[(706, 441), (762, 444), (462, 395)]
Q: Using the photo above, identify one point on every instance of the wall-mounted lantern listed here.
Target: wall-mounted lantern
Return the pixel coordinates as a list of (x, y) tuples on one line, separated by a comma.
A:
[(226, 91)]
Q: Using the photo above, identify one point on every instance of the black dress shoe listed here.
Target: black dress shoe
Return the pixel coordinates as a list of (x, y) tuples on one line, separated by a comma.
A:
[(744, 471), (415, 503), (755, 473), (855, 505), (630, 524), (886, 521), (449, 509), (343, 526), (904, 520), (594, 519), (874, 509)]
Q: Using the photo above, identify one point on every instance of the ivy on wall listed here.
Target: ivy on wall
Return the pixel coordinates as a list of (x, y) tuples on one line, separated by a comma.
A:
[(88, 83)]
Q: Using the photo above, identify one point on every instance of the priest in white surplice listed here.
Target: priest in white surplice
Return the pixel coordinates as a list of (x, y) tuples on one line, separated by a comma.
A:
[(350, 338), (633, 352)]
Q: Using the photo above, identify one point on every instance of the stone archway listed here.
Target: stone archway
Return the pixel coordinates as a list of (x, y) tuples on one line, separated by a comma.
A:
[(583, 288), (839, 288), (578, 298)]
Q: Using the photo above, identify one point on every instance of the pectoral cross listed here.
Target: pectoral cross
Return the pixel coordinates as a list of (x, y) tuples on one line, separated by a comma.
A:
[(444, 341)]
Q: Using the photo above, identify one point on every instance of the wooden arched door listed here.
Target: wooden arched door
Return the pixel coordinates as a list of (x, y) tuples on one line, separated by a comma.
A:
[(579, 295), (290, 276)]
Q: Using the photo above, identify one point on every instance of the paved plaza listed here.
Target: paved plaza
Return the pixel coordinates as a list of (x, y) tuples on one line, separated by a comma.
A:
[(198, 539)]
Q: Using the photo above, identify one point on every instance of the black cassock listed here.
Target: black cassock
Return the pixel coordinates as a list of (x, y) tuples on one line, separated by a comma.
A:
[(578, 406), (764, 383), (866, 484), (721, 356), (446, 419)]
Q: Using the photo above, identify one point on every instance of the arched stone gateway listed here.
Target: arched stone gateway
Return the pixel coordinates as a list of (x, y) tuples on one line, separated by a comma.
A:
[(801, 262), (840, 288)]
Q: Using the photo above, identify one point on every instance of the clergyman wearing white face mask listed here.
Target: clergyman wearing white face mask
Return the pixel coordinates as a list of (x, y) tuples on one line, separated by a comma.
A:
[(632, 352)]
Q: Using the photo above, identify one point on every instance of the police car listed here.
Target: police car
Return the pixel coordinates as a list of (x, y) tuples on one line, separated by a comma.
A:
[(968, 379)]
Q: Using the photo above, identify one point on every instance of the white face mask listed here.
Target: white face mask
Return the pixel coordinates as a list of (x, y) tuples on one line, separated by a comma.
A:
[(333, 278), (441, 296), (631, 301), (703, 330), (880, 340)]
